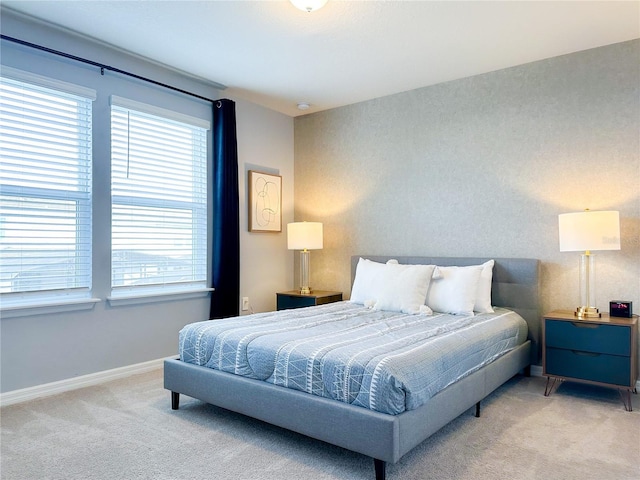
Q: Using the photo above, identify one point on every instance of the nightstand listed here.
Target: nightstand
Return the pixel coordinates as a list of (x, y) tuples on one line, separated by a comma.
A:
[(600, 351), (295, 299)]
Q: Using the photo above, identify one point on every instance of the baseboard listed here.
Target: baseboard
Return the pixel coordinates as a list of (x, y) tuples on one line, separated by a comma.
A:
[(53, 388)]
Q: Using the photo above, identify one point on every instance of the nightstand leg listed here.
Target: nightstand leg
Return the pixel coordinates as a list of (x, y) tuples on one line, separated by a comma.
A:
[(549, 388), (626, 401)]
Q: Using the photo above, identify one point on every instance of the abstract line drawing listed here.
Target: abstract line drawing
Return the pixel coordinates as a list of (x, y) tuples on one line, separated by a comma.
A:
[(265, 202)]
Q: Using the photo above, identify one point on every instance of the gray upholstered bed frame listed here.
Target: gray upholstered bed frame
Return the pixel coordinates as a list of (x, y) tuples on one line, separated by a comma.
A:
[(385, 438)]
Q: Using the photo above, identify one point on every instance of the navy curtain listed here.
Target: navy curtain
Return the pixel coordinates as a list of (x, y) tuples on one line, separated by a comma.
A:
[(225, 300)]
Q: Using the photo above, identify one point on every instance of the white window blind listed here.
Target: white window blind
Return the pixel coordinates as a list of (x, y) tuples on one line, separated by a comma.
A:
[(45, 188), (159, 201)]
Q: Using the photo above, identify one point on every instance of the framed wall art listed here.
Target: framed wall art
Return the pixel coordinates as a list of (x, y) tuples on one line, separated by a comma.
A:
[(265, 202)]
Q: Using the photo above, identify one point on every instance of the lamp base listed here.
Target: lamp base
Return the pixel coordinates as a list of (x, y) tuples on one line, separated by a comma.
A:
[(587, 312), (305, 289)]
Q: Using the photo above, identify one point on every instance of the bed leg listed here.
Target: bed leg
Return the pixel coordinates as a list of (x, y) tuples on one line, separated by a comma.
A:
[(175, 400), (478, 410), (527, 371), (381, 469)]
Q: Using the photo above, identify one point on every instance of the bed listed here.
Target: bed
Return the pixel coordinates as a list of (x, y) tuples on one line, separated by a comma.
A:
[(385, 437)]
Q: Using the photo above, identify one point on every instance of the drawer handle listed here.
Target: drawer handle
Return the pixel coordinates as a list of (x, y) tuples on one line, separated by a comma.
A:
[(585, 325), (585, 354)]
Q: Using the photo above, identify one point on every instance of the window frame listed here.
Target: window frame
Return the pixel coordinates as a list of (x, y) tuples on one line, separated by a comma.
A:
[(126, 295), (55, 298)]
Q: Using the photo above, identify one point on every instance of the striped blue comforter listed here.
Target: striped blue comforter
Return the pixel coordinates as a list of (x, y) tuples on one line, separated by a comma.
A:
[(385, 361)]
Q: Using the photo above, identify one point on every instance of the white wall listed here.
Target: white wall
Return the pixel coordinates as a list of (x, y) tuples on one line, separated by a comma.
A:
[(266, 264), (39, 349), (482, 167)]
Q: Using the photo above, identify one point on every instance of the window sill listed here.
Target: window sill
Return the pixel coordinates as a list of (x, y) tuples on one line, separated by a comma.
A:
[(61, 306), (141, 298)]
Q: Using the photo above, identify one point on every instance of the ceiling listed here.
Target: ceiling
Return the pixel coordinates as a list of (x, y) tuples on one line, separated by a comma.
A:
[(275, 55)]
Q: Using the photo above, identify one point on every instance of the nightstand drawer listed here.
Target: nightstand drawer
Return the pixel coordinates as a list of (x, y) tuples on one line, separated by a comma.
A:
[(295, 299), (582, 365), (588, 337), (285, 302)]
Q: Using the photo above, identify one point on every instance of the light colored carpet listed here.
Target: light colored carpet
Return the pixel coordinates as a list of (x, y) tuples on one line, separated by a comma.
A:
[(126, 430)]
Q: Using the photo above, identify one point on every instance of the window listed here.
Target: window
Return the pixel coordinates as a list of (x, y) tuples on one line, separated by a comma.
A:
[(159, 199), (45, 187)]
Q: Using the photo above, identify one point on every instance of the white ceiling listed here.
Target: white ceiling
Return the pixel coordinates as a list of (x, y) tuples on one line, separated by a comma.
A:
[(275, 55)]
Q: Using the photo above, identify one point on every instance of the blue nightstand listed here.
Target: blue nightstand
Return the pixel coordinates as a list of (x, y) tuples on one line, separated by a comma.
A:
[(295, 299), (601, 351)]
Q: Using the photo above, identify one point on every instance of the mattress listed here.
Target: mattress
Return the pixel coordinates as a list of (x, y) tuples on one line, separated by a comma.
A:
[(385, 361)]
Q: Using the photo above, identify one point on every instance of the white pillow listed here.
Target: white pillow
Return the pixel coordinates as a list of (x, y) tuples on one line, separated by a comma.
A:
[(393, 287), (453, 289), (483, 295), (364, 285)]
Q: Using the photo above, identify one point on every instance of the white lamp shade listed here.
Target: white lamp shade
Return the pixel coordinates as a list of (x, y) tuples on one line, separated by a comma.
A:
[(589, 230), (304, 235)]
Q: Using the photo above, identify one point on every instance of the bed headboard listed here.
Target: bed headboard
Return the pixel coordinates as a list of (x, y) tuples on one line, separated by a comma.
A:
[(515, 285)]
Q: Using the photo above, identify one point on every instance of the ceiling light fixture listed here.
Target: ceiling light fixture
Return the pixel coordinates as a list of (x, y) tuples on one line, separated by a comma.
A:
[(303, 106), (309, 5)]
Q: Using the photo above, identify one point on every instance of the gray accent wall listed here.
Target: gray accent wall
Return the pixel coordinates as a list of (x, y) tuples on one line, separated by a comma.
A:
[(482, 167)]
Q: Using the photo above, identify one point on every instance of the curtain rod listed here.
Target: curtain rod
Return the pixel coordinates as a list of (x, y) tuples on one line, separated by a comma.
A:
[(102, 66)]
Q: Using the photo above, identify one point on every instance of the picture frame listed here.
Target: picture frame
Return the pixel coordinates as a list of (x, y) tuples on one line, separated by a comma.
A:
[(265, 202)]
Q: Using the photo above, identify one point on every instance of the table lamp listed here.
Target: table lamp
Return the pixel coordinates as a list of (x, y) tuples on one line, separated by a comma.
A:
[(587, 231), (304, 236)]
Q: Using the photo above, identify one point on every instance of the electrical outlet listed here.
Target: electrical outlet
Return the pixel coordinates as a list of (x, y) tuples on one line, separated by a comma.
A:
[(245, 304)]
